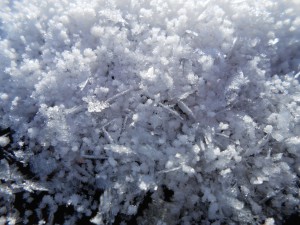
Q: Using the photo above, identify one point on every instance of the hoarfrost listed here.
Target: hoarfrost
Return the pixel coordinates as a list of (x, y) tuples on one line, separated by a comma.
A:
[(157, 112)]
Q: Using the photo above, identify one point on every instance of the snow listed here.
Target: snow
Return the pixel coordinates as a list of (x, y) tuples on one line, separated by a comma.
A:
[(269, 221), (104, 102), (4, 141)]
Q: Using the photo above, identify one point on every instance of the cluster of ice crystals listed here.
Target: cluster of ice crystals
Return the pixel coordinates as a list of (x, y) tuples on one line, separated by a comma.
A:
[(158, 112)]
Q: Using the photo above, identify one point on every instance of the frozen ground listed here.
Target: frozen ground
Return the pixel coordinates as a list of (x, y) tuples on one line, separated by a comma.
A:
[(149, 112)]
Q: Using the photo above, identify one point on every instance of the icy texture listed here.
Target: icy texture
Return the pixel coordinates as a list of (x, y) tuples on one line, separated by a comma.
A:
[(4, 141), (110, 101)]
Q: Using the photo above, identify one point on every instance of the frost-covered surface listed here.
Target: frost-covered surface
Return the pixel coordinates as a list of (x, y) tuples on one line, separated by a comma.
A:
[(149, 112)]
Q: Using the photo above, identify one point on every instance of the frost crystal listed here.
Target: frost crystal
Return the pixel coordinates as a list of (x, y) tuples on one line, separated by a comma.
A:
[(97, 106), (149, 112)]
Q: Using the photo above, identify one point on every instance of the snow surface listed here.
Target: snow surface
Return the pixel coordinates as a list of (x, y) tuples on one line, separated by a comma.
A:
[(132, 98)]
